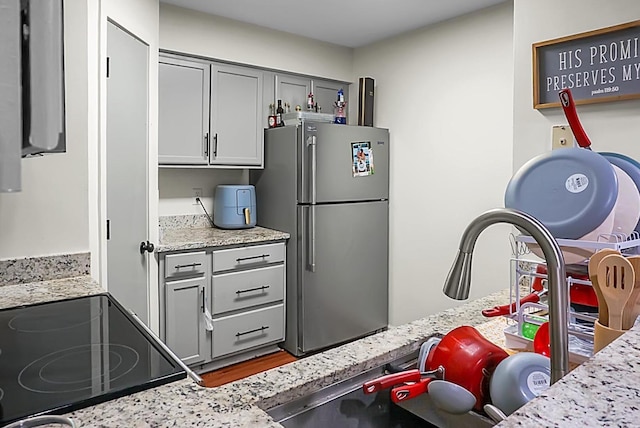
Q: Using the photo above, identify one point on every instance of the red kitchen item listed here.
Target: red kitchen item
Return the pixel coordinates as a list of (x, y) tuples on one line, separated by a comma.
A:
[(509, 309), (468, 359), (579, 294), (541, 340), (408, 391), (390, 380), (569, 107)]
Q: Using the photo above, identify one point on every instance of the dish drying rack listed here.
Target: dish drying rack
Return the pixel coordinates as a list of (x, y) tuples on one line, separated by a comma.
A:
[(523, 272)]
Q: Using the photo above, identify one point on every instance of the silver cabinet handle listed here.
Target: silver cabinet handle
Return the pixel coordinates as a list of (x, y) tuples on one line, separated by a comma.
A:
[(192, 265), (249, 290), (215, 145), (255, 330), (261, 256), (203, 302), (206, 145)]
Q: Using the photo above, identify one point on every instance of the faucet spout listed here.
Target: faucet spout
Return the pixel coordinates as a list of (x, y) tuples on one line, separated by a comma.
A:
[(458, 281)]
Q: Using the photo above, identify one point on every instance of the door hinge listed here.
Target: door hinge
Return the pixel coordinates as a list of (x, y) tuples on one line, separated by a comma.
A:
[(108, 66), (108, 229)]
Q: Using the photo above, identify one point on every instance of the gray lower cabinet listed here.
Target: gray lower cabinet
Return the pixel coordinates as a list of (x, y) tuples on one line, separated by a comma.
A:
[(223, 305), (247, 301), (185, 330)]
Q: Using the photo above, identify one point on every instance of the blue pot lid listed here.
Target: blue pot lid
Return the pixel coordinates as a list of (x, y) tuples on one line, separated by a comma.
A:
[(571, 191), (628, 165)]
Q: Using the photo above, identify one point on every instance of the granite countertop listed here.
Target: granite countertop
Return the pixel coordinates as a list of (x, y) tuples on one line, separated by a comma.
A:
[(191, 238), (601, 392)]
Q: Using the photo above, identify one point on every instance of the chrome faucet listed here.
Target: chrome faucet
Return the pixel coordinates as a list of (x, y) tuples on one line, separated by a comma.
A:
[(458, 281)]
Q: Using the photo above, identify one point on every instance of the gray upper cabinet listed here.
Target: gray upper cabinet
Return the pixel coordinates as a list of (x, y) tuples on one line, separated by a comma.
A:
[(295, 89), (183, 112), (236, 116), (326, 94), (292, 90), (210, 114)]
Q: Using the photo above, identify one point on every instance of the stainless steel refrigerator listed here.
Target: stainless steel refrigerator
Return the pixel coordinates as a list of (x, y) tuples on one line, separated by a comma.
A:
[(328, 186)]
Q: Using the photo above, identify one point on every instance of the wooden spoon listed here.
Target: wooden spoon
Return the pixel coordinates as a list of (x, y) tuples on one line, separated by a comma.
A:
[(594, 261), (632, 308), (616, 279)]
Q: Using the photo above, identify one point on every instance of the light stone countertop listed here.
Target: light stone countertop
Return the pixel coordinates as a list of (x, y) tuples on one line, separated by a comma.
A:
[(601, 392), (191, 238)]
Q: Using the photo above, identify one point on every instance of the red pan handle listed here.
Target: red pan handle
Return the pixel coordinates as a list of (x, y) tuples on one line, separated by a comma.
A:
[(406, 392), (569, 107), (390, 380), (507, 309)]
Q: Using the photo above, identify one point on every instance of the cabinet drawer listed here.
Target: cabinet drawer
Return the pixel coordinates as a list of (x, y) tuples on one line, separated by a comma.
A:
[(187, 264), (247, 330), (239, 290), (247, 256)]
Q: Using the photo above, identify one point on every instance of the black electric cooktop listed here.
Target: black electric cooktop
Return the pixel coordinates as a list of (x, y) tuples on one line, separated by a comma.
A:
[(61, 356)]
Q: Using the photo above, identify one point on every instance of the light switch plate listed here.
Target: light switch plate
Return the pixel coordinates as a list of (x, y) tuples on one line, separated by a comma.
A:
[(561, 137)]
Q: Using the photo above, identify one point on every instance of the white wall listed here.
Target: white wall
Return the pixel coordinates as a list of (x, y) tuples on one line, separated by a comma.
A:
[(611, 126), (445, 93), (196, 33), (50, 215)]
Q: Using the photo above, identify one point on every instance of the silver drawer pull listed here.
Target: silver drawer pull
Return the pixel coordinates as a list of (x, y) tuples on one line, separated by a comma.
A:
[(191, 265), (249, 290), (255, 330), (263, 256)]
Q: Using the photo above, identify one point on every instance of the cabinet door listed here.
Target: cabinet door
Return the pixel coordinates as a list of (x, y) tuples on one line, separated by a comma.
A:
[(183, 112), (326, 94), (292, 90), (185, 330), (236, 116)]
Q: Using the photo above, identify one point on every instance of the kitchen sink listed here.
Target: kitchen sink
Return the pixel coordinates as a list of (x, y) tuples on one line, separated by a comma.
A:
[(344, 404)]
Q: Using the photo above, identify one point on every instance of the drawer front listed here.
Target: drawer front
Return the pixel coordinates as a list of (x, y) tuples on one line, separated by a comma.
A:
[(187, 264), (247, 256), (243, 289), (247, 330)]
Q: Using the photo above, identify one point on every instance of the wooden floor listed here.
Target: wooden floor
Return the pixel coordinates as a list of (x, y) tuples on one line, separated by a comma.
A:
[(247, 368)]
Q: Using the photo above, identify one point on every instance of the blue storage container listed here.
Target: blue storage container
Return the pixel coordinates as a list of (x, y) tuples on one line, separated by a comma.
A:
[(234, 206)]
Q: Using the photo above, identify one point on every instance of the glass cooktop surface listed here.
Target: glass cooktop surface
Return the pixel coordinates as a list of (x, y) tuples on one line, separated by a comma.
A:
[(61, 356)]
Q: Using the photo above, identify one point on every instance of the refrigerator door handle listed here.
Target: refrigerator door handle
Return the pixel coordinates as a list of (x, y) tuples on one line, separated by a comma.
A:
[(314, 169), (311, 239)]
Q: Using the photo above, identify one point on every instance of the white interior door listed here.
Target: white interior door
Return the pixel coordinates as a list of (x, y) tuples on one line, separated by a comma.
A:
[(127, 169)]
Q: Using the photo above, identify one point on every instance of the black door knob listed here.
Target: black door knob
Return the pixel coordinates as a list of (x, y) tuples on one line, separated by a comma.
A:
[(146, 246)]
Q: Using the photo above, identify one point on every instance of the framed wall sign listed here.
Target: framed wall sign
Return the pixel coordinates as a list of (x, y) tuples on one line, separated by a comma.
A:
[(598, 66)]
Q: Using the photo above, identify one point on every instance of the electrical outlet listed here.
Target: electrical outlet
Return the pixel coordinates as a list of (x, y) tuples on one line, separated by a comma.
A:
[(561, 137), (197, 193)]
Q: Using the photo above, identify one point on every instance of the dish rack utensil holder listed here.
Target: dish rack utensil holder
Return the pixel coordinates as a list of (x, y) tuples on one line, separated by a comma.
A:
[(524, 271)]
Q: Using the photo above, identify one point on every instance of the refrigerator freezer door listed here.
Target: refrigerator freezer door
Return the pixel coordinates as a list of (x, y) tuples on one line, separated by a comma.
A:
[(329, 166), (343, 272)]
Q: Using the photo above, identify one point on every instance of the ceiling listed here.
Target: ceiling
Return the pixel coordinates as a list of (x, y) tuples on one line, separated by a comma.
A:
[(351, 23)]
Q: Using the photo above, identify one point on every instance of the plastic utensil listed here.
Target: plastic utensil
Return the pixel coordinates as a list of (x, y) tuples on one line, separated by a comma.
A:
[(494, 413), (541, 340), (594, 261), (632, 308), (450, 397), (616, 279)]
